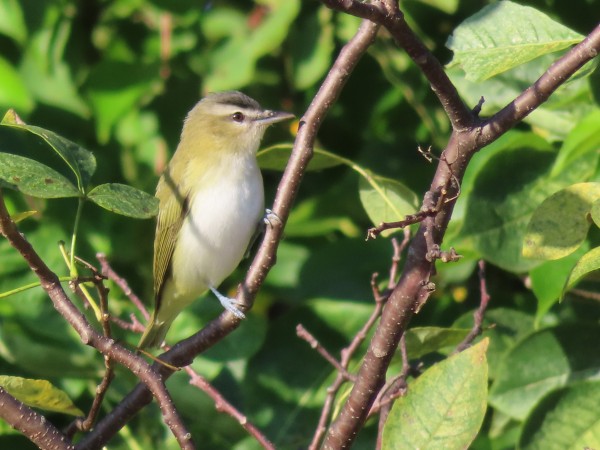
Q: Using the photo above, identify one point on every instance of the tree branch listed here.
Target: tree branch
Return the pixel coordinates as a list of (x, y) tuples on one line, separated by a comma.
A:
[(183, 352), (390, 17), (405, 299), (89, 336), (32, 424)]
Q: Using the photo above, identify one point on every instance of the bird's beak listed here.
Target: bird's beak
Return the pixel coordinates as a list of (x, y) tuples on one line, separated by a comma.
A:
[(268, 117)]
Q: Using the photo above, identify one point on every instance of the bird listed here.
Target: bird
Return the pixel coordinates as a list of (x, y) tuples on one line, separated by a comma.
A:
[(211, 204)]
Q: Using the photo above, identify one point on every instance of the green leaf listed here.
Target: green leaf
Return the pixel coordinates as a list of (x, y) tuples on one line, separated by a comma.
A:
[(504, 327), (542, 362), (582, 143), (421, 341), (232, 65), (312, 47), (307, 220), (386, 200), (447, 6), (588, 263), (44, 66), (560, 224), (564, 419), (505, 192), (79, 160), (39, 394), (19, 217), (13, 92), (125, 200), (504, 35), (548, 280), (554, 119), (113, 97), (12, 23), (33, 178), (277, 156), (444, 407)]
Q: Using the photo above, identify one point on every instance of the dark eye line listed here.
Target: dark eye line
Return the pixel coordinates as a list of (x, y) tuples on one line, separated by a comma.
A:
[(238, 116)]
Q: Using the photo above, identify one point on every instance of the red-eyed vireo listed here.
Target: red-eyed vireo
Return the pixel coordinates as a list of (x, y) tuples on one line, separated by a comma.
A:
[(211, 203)]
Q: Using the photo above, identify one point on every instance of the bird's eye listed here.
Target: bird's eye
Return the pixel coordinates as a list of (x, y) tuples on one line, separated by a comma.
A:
[(238, 116)]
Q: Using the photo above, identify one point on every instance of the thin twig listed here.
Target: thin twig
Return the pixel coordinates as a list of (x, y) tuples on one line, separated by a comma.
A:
[(89, 336), (122, 283), (479, 314), (222, 405), (305, 335)]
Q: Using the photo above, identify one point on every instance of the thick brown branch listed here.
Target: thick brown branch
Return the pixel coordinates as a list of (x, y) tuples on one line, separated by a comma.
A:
[(405, 298), (32, 424)]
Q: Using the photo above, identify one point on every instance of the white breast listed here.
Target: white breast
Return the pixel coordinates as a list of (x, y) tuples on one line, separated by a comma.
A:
[(221, 221)]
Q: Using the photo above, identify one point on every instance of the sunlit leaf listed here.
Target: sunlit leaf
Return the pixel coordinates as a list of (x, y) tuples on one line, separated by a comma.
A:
[(39, 394), (590, 262), (504, 35), (560, 224), (444, 407), (386, 200), (125, 200)]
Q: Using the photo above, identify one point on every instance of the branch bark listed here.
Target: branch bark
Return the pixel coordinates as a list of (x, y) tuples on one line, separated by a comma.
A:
[(183, 352), (32, 424), (467, 138), (89, 336)]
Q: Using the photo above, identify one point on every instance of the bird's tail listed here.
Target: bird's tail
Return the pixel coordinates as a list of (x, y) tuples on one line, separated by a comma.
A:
[(155, 333)]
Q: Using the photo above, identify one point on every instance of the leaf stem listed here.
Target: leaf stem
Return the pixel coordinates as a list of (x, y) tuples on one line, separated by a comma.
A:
[(72, 266), (29, 286)]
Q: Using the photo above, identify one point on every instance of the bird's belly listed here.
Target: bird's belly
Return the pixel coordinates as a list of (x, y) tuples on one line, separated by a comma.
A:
[(215, 234)]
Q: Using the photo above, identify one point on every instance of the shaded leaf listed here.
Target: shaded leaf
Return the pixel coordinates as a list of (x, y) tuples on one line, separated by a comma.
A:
[(125, 200), (423, 340), (560, 224), (39, 394), (33, 178), (277, 156), (312, 46), (542, 362), (565, 419), (444, 407), (504, 35), (79, 160)]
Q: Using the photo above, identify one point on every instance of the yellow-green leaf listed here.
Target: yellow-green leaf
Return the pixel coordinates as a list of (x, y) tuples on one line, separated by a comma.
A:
[(560, 224), (444, 407), (39, 394), (588, 263)]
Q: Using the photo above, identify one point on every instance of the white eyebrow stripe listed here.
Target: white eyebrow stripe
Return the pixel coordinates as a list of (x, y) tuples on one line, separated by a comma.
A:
[(225, 110)]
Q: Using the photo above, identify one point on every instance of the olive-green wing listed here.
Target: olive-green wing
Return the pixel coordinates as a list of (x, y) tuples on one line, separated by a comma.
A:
[(172, 211)]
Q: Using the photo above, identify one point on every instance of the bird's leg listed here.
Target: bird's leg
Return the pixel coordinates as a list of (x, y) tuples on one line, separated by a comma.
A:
[(228, 303)]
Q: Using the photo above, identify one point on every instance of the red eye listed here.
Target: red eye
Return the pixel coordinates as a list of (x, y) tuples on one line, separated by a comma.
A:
[(238, 116)]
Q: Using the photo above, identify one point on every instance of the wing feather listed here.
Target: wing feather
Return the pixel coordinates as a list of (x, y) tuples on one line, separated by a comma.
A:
[(172, 212)]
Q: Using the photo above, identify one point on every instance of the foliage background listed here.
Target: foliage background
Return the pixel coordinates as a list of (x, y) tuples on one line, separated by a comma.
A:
[(119, 76)]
